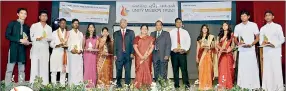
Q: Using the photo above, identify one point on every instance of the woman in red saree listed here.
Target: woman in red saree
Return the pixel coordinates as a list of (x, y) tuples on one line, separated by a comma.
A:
[(225, 56), (143, 46), (205, 46)]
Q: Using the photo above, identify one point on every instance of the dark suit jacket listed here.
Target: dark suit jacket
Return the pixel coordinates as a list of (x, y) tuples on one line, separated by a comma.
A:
[(129, 37), (163, 43), (17, 50)]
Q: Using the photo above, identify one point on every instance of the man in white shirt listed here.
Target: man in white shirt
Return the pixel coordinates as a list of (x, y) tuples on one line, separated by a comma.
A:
[(40, 34), (248, 34), (271, 38), (58, 60), (75, 59), (181, 43)]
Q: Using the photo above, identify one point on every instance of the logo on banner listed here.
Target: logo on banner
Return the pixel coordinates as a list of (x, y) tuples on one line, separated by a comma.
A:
[(124, 11)]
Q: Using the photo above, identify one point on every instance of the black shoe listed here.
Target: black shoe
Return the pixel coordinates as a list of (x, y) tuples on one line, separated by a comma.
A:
[(118, 86)]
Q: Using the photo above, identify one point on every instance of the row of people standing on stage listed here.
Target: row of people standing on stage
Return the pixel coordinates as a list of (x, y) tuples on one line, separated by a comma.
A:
[(72, 50), (245, 36)]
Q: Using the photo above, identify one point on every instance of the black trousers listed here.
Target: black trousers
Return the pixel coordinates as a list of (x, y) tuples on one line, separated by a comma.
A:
[(125, 61), (180, 61)]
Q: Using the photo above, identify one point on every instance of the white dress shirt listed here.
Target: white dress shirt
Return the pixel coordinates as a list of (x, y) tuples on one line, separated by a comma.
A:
[(247, 32), (185, 39), (75, 39), (36, 31), (274, 33), (123, 31)]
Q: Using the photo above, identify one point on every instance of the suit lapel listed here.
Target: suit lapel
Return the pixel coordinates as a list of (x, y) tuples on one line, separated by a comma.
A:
[(120, 33)]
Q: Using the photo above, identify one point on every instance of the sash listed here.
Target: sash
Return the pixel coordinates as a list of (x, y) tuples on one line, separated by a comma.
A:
[(102, 58), (224, 46), (203, 51), (150, 45), (63, 40)]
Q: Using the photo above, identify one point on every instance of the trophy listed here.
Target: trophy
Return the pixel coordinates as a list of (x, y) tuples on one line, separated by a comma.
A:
[(25, 36), (265, 38), (64, 43), (266, 43), (205, 43), (75, 47), (241, 40), (89, 46), (179, 46), (44, 34)]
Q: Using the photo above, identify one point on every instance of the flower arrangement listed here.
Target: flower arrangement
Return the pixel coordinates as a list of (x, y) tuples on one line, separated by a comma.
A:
[(160, 85)]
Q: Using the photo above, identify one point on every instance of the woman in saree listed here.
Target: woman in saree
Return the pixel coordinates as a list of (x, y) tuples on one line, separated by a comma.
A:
[(89, 55), (205, 46), (143, 46), (105, 58), (225, 56)]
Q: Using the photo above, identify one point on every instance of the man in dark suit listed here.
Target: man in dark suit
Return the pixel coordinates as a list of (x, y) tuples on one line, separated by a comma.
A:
[(19, 36), (161, 52), (123, 52)]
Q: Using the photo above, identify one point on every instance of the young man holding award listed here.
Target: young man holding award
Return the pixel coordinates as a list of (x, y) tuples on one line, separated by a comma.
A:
[(248, 35), (75, 49), (40, 33), (58, 61), (18, 34), (271, 39)]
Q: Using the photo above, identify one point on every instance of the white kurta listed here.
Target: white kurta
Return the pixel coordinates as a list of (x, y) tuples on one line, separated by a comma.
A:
[(75, 60), (39, 53), (56, 61), (248, 73), (272, 66)]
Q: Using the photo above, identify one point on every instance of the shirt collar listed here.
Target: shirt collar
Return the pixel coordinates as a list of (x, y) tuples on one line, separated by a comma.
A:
[(270, 23), (179, 29), (74, 31), (41, 25), (123, 29), (246, 23), (21, 21), (62, 30)]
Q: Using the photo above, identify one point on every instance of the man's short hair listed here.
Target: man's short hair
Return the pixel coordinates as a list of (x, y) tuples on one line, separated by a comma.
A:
[(178, 19), (244, 12), (74, 20), (268, 11), (159, 21), (20, 9), (43, 12), (62, 19)]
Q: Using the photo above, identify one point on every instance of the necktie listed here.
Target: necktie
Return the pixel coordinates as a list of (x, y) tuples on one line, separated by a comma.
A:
[(158, 34), (123, 40), (178, 39)]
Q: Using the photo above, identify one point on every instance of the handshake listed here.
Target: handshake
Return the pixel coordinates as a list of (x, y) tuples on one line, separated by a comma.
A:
[(25, 41)]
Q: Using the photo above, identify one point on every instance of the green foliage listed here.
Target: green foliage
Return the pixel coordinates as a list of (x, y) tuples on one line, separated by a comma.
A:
[(160, 85)]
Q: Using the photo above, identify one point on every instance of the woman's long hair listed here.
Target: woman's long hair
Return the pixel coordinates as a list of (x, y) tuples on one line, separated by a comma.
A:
[(87, 35), (108, 41), (201, 32), (229, 31)]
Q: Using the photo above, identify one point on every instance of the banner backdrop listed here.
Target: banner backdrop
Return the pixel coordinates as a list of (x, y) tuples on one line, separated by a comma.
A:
[(146, 12), (84, 12), (199, 11)]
